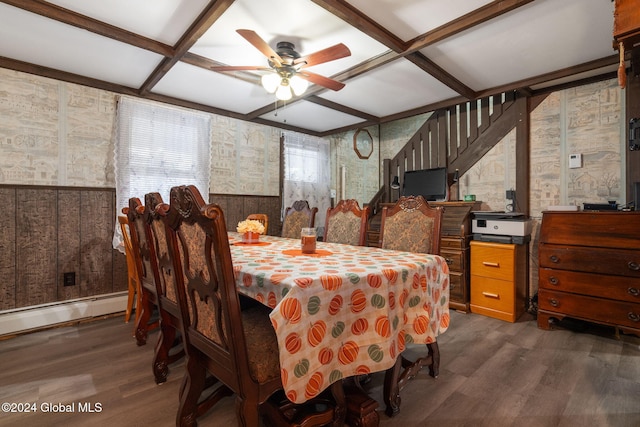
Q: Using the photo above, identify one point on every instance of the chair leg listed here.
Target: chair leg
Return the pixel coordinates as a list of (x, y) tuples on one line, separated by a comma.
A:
[(193, 384), (139, 301), (161, 357), (143, 314), (166, 342), (130, 298), (247, 412)]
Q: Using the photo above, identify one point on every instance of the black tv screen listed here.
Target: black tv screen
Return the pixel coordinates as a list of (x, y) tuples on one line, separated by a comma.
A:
[(428, 183)]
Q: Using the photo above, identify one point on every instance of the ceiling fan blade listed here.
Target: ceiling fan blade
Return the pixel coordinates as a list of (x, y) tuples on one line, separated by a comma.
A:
[(325, 55), (238, 68), (321, 80), (253, 38)]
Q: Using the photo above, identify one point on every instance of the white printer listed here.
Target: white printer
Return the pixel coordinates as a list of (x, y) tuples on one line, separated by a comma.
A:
[(502, 227)]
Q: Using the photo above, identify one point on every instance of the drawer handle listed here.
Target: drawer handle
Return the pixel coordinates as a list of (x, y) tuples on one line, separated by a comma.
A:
[(633, 316), (554, 302), (553, 280), (633, 291), (449, 261), (554, 258), (490, 295), (633, 266), (490, 264)]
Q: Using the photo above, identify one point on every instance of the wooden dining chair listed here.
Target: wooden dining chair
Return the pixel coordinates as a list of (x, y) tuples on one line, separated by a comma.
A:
[(237, 348), (296, 217), (133, 283), (411, 225), (346, 223), (148, 294), (169, 348), (263, 218)]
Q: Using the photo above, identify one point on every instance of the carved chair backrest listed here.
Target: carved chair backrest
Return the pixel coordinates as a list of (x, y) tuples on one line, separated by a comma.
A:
[(132, 269), (163, 264), (207, 298), (346, 223), (411, 225), (138, 217), (297, 216)]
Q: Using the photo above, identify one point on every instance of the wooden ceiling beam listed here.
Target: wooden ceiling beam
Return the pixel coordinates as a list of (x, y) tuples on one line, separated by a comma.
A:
[(441, 75), (209, 15), (465, 22), (359, 20)]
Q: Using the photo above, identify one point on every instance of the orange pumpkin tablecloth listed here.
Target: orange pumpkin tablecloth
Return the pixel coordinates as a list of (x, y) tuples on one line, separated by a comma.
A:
[(348, 312)]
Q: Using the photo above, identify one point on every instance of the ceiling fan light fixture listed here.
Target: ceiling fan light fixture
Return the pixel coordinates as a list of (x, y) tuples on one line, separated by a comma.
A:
[(270, 82), (299, 85), (283, 93)]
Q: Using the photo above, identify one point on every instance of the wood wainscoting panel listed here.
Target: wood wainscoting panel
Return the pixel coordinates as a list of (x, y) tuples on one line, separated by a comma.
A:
[(36, 246), (96, 233), (8, 249), (237, 207), (68, 242)]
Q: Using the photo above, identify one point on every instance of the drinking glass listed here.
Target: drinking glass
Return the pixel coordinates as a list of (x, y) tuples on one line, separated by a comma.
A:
[(308, 240)]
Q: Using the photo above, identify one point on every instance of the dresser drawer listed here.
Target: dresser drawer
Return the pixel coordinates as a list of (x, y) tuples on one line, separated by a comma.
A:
[(589, 308), (493, 260), (455, 259), (455, 286), (625, 262), (452, 243), (492, 294), (591, 284)]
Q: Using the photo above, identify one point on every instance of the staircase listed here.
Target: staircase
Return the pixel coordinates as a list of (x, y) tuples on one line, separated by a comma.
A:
[(455, 138)]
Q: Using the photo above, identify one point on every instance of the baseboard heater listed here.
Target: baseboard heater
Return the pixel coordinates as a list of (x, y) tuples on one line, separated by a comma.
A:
[(45, 315)]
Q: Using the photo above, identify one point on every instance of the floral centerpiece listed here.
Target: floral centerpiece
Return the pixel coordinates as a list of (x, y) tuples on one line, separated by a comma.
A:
[(250, 230)]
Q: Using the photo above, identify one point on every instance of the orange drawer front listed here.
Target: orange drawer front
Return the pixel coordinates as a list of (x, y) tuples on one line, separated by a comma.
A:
[(493, 298), (493, 261)]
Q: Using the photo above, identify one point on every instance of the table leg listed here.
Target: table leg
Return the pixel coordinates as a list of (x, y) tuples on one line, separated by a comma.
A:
[(402, 371)]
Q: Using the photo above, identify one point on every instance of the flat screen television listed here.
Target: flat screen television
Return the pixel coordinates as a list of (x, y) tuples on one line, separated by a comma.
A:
[(429, 183)]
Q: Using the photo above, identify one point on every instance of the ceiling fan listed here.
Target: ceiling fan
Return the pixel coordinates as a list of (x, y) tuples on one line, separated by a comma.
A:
[(287, 74)]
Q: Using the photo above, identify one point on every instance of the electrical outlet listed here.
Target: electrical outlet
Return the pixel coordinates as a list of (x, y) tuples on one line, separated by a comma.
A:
[(69, 279)]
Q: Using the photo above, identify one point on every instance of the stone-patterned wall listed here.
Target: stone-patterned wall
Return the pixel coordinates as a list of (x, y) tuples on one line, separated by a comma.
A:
[(61, 134)]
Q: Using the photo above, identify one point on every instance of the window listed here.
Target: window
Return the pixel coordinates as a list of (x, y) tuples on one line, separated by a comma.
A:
[(306, 173), (158, 147)]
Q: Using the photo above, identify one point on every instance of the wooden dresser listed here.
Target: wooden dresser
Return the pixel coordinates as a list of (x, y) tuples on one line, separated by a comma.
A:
[(454, 246), (499, 273), (590, 268)]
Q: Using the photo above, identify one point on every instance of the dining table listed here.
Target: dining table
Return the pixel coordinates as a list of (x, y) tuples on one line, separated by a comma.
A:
[(342, 311)]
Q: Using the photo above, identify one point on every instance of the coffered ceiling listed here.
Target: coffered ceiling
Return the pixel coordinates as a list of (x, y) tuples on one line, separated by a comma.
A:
[(407, 56)]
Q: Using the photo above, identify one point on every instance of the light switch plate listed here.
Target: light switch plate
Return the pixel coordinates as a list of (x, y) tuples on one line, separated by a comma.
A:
[(575, 161)]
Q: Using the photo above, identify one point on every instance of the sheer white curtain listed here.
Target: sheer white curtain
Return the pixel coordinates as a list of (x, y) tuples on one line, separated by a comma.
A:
[(158, 147), (307, 173)]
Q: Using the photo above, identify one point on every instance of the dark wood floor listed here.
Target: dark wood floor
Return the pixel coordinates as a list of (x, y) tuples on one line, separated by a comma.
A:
[(492, 373)]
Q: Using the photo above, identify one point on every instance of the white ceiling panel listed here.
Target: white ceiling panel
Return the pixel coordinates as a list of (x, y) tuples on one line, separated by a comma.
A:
[(162, 20), (214, 89), (539, 38), (311, 116), (66, 48), (398, 86), (410, 18)]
